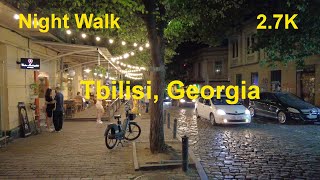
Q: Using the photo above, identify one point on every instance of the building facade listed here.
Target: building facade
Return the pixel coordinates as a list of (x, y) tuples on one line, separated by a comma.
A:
[(244, 65), (209, 66)]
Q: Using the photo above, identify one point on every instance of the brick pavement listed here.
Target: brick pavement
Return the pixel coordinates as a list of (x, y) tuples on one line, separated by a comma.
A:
[(77, 152)]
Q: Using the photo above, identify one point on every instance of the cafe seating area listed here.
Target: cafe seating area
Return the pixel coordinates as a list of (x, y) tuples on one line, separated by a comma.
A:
[(74, 109)]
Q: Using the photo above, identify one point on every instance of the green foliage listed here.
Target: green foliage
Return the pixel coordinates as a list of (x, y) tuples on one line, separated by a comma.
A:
[(291, 45)]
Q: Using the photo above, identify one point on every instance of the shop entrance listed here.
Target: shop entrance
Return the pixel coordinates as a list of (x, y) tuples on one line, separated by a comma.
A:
[(306, 84)]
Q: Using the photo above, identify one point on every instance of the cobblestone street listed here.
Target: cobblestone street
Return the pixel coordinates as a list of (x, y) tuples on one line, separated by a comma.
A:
[(261, 150)]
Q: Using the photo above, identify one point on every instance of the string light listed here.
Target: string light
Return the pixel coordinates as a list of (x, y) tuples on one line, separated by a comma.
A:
[(140, 48), (132, 53), (123, 43), (87, 70), (135, 44), (126, 55), (110, 41), (68, 32), (147, 45), (16, 16), (98, 38), (83, 35)]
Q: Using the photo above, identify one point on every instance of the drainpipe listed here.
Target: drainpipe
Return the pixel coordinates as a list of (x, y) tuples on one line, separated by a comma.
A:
[(61, 72)]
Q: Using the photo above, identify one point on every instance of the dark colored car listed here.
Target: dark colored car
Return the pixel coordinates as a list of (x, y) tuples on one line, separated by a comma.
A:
[(283, 107), (186, 102)]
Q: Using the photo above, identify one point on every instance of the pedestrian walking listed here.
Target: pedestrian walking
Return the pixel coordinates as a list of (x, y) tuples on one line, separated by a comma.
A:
[(100, 111), (146, 101), (50, 105), (58, 111)]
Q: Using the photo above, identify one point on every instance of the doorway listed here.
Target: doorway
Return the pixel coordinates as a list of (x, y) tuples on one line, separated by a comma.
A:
[(306, 84)]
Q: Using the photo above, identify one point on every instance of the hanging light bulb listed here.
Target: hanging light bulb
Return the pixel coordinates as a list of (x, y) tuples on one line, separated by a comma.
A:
[(140, 48), (16, 16), (132, 53), (98, 38), (68, 32), (83, 35), (87, 70), (126, 55), (147, 45), (123, 43), (110, 41), (135, 44)]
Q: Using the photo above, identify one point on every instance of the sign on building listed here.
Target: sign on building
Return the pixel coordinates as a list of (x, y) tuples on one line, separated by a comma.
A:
[(29, 63)]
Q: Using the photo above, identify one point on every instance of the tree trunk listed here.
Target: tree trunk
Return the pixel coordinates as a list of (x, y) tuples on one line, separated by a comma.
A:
[(156, 137)]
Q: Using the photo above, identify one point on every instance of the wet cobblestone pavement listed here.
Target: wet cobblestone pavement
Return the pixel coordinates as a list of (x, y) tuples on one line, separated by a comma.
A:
[(261, 150)]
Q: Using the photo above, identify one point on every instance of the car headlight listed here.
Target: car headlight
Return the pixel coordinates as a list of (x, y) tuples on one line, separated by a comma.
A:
[(293, 110), (182, 100), (221, 112), (193, 100), (247, 112)]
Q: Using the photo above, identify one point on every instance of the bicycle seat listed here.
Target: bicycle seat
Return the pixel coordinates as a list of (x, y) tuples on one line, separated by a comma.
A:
[(117, 116)]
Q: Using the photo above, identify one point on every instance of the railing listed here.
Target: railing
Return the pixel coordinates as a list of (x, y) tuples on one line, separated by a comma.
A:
[(112, 108)]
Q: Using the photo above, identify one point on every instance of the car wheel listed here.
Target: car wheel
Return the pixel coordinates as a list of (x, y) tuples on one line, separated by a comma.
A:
[(282, 118), (251, 111), (197, 115), (212, 119)]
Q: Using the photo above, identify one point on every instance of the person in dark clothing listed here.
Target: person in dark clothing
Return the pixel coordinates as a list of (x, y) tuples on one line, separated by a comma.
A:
[(58, 111), (50, 105)]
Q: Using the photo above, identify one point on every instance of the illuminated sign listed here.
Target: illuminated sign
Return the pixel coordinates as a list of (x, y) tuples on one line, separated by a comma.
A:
[(30, 63)]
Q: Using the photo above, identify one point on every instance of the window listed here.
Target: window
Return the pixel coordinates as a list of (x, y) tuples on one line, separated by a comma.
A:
[(250, 42), (238, 80), (254, 78), (276, 81), (201, 100), (235, 49), (218, 67), (207, 102), (199, 69)]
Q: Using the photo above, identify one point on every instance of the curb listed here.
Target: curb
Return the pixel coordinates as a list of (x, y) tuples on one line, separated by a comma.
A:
[(201, 172)]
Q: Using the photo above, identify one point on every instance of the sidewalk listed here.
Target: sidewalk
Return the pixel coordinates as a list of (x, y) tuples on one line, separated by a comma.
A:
[(77, 152)]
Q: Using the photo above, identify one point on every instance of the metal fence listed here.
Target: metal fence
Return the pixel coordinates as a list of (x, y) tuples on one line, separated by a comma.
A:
[(113, 108)]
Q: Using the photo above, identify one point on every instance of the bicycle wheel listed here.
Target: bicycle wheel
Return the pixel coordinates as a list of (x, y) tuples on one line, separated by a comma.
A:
[(133, 132), (110, 142)]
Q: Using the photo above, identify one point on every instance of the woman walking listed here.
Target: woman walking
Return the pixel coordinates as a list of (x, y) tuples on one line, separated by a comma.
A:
[(100, 111), (50, 105)]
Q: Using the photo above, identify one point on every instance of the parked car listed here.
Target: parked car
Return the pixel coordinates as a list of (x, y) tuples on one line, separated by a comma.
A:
[(167, 101), (218, 111), (186, 102), (283, 107)]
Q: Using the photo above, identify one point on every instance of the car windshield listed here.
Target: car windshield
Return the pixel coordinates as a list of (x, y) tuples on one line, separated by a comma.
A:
[(223, 101), (288, 98)]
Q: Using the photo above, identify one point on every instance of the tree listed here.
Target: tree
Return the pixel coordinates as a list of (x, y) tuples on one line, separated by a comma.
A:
[(166, 23)]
